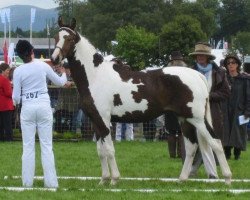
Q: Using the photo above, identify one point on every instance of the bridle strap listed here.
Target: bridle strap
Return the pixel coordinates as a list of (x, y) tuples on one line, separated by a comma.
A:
[(67, 28)]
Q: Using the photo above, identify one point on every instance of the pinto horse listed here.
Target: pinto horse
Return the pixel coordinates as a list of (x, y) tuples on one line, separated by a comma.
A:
[(110, 91)]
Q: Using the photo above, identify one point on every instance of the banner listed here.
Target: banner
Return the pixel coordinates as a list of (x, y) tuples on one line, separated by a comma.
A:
[(5, 52), (32, 15)]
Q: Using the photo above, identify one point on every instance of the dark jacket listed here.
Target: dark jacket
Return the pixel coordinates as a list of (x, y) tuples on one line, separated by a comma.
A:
[(219, 92), (237, 104)]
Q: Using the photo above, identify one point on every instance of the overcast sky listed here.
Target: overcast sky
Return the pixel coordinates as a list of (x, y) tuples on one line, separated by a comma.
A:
[(38, 3)]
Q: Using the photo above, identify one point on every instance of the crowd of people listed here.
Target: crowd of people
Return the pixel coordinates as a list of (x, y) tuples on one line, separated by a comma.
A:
[(229, 95)]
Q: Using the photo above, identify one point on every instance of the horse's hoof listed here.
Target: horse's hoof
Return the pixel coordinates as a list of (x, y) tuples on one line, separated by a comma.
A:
[(182, 179), (114, 181), (228, 181), (104, 181)]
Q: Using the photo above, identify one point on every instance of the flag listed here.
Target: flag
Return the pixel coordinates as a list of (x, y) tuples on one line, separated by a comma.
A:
[(5, 52), (3, 11), (11, 53), (48, 32), (32, 15), (7, 13)]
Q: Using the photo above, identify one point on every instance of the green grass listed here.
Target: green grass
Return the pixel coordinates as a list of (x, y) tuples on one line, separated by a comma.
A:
[(135, 159)]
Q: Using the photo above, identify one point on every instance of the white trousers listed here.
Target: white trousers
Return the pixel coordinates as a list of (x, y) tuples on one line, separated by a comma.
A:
[(37, 117), (129, 133)]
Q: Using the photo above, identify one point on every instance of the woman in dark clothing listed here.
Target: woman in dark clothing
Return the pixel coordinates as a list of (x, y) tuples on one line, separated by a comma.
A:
[(238, 104)]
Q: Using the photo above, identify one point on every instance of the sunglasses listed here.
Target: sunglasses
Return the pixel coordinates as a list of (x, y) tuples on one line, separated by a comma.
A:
[(233, 62)]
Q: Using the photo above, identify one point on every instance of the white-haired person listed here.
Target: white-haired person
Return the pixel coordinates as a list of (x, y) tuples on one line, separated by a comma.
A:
[(30, 89)]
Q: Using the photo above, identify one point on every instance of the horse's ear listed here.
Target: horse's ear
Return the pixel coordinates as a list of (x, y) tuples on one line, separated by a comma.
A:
[(60, 21), (73, 24)]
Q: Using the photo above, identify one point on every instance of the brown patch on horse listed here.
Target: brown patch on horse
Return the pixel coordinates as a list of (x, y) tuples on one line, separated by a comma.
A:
[(123, 70), (117, 100), (189, 131), (97, 59), (163, 92)]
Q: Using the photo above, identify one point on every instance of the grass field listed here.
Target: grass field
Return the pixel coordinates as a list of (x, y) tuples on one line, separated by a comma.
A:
[(135, 159)]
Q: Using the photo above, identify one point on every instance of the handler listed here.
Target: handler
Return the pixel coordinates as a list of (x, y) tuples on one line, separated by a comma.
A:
[(30, 88)]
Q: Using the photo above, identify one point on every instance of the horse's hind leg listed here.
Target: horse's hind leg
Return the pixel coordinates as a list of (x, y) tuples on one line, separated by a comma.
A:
[(216, 146), (190, 141)]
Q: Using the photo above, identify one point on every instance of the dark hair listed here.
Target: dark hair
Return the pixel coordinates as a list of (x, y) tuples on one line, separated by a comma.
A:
[(236, 58), (3, 67), (24, 50)]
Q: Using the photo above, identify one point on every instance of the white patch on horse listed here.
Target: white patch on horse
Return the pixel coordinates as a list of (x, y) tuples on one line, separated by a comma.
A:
[(107, 84)]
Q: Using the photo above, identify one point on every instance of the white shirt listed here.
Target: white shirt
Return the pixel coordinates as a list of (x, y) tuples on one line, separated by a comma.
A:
[(30, 85)]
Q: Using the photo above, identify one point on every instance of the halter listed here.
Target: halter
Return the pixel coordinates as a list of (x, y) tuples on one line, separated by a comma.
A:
[(72, 31), (67, 28)]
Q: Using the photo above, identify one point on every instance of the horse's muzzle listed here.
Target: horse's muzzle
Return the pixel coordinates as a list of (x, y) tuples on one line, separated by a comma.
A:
[(54, 61)]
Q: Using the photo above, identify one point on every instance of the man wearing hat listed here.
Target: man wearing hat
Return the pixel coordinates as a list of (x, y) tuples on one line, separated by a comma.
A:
[(175, 139), (30, 88), (176, 59), (219, 92)]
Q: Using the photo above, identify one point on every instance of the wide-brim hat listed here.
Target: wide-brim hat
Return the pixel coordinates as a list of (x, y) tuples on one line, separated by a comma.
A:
[(175, 55), (203, 49), (23, 48), (232, 56)]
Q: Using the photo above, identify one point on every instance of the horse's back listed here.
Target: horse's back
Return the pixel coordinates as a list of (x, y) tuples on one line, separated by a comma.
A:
[(192, 78)]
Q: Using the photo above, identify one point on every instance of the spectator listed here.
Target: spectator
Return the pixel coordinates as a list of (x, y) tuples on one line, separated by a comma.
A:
[(54, 91), (6, 105), (219, 92), (176, 59), (127, 131), (238, 104), (30, 87), (78, 116), (176, 146)]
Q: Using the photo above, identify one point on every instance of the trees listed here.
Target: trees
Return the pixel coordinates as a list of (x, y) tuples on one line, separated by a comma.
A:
[(178, 24), (234, 17), (136, 46), (181, 34), (241, 42)]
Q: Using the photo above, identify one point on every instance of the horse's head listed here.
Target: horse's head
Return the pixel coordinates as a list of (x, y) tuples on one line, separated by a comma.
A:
[(65, 41)]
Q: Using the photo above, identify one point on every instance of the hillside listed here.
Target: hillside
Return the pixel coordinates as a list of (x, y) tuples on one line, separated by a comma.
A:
[(20, 17)]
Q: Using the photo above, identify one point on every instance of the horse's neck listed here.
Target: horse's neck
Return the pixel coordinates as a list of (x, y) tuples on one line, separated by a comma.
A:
[(84, 53)]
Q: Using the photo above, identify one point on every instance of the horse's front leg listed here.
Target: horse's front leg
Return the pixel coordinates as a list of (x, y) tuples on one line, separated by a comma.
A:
[(104, 163), (106, 153)]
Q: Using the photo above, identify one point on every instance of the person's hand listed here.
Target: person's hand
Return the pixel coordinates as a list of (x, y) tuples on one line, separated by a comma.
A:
[(68, 84), (61, 70)]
